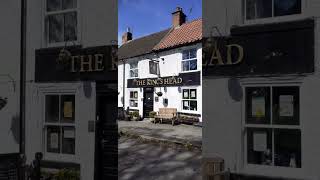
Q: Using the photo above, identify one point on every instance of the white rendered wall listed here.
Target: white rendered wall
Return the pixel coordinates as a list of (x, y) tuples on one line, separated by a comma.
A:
[(98, 27), (10, 75), (170, 66)]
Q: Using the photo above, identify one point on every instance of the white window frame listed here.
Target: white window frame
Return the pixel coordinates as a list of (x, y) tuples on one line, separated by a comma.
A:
[(59, 156), (134, 99), (189, 99), (133, 69), (273, 18), (185, 60), (46, 26), (271, 126)]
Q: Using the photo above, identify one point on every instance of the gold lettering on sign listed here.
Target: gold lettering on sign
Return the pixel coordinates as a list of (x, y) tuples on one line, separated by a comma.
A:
[(216, 57), (179, 80), (73, 59), (229, 53), (85, 62), (99, 62)]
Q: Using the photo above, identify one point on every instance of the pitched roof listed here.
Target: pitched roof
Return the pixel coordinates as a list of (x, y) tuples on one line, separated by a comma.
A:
[(187, 33), (141, 46)]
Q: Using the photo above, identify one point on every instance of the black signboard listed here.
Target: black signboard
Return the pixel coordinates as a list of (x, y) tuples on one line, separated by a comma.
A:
[(269, 49), (76, 64), (184, 79)]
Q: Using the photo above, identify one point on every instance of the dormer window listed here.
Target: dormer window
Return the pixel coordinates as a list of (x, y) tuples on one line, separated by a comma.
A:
[(257, 9)]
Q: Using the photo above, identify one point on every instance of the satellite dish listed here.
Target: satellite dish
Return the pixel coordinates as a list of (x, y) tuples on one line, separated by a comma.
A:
[(235, 89)]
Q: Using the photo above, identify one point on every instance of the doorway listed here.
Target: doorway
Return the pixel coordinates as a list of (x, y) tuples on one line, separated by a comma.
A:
[(106, 152), (148, 96)]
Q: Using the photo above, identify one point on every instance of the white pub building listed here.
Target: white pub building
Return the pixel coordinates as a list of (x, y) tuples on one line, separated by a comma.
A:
[(163, 69)]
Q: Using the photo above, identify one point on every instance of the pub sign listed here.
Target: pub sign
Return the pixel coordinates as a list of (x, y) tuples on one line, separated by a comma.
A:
[(76, 64), (268, 49), (183, 79)]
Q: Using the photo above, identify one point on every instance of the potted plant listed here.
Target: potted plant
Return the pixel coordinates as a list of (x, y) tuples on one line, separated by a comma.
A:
[(135, 115), (152, 115)]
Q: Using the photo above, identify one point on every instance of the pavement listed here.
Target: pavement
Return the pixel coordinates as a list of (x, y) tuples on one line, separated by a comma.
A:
[(186, 135), (140, 160)]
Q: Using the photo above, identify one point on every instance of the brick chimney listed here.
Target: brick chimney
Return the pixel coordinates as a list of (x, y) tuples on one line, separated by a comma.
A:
[(127, 36), (178, 17)]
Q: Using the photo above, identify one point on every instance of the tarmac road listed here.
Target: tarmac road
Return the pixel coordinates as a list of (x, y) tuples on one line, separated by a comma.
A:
[(140, 160)]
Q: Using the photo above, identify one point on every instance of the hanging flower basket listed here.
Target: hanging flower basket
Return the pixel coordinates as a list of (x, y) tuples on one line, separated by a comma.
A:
[(159, 94)]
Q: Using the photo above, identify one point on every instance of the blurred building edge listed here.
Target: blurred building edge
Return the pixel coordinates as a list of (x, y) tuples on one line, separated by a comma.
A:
[(163, 70), (261, 73), (70, 86)]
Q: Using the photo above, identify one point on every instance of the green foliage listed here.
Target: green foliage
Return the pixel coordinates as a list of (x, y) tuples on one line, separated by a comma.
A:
[(67, 174), (135, 114), (152, 114)]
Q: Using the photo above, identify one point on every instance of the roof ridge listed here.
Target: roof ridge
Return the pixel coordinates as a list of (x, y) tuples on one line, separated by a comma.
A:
[(139, 38)]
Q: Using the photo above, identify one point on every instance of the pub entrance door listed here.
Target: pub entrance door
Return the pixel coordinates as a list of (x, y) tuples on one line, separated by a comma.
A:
[(148, 95), (106, 152)]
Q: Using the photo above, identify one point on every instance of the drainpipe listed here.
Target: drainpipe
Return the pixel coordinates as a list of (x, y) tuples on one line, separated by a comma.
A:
[(123, 83), (23, 27)]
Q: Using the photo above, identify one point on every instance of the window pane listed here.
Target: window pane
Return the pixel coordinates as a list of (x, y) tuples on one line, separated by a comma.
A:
[(68, 140), (135, 94), (136, 73), (258, 9), (193, 65), (193, 94), (70, 25), (133, 65), (286, 105), (53, 5), (258, 105), (55, 28), (132, 74), (287, 148), (193, 53), (186, 94), (193, 105), (185, 55), (52, 108), (259, 146), (69, 4), (131, 94), (185, 105), (185, 66), (287, 7), (133, 103), (53, 139), (67, 108)]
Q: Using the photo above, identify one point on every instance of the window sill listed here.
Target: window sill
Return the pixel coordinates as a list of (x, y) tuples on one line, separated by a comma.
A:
[(273, 171), (274, 19), (59, 165), (185, 72)]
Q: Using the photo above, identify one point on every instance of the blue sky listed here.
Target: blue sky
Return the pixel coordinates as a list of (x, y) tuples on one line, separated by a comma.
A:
[(149, 16)]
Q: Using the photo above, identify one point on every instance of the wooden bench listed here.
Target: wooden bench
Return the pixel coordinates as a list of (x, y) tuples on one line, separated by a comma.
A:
[(166, 114)]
